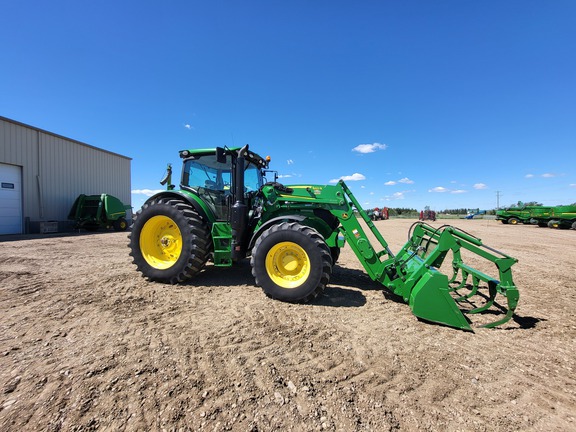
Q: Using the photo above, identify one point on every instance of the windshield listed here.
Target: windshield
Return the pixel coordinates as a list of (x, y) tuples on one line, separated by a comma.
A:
[(206, 172), (213, 181)]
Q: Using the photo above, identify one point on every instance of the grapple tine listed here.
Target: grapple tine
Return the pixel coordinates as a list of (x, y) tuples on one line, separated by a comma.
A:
[(492, 296), (473, 291), (504, 320), (463, 282), (512, 296), (455, 273)]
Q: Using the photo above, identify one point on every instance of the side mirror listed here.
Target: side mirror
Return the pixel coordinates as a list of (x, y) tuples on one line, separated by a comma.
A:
[(220, 155)]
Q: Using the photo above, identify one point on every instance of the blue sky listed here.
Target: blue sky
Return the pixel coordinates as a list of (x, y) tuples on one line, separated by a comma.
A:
[(447, 103)]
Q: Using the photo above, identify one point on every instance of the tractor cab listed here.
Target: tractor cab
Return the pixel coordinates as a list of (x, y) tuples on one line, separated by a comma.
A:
[(209, 174)]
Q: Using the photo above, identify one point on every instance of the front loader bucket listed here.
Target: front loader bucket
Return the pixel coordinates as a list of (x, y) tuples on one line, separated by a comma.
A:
[(430, 299), (434, 297)]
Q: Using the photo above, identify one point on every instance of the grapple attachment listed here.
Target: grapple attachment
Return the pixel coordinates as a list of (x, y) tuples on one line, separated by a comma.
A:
[(433, 296)]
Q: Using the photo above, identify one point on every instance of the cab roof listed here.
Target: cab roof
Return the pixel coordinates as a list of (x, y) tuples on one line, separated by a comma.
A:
[(251, 156)]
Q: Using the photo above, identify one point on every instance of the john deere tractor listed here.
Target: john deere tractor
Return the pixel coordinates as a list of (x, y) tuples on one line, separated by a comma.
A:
[(225, 211)]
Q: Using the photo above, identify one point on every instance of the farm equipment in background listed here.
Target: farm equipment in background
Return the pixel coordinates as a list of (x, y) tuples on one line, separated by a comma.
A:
[(471, 214), (540, 215), (427, 214), (515, 215), (225, 211), (92, 212), (378, 213), (563, 217)]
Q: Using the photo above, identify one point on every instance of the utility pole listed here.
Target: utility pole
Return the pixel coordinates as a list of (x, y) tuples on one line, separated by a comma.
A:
[(497, 200)]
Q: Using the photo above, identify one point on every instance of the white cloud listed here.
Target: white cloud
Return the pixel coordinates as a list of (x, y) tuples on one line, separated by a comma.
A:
[(480, 186), (572, 185), (147, 192), (458, 191), (390, 183), (398, 195), (284, 176), (188, 126), (406, 180), (289, 161), (439, 189), (353, 177), (545, 175), (369, 148)]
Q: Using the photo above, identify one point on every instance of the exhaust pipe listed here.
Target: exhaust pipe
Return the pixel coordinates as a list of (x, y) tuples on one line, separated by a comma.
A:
[(239, 211)]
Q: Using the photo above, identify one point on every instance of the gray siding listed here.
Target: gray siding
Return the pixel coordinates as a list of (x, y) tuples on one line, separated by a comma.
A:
[(56, 170)]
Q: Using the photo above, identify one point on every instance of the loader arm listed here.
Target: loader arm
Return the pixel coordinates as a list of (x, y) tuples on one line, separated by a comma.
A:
[(413, 273)]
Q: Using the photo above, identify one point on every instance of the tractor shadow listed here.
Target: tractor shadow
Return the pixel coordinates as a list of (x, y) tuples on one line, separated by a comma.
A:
[(345, 289), (340, 297), (342, 291), (238, 275), (527, 322), (346, 286)]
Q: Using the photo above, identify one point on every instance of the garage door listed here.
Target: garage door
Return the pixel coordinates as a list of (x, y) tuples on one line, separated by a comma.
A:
[(10, 199)]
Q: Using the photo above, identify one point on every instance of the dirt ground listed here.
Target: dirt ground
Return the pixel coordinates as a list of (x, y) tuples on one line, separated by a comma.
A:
[(87, 344)]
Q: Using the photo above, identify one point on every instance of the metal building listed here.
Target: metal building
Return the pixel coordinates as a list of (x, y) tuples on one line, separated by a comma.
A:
[(42, 173)]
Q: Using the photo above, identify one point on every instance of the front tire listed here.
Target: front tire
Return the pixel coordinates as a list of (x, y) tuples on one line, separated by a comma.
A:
[(169, 242), (513, 221), (291, 262)]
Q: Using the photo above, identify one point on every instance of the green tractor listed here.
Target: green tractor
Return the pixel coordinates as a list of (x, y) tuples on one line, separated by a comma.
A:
[(225, 211)]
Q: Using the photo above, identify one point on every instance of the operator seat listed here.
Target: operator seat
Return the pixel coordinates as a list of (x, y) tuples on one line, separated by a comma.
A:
[(209, 184)]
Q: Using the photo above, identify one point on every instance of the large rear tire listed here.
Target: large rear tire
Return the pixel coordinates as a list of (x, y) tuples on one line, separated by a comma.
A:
[(169, 242), (513, 221), (291, 262)]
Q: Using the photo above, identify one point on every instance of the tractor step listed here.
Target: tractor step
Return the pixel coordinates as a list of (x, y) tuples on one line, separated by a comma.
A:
[(222, 243)]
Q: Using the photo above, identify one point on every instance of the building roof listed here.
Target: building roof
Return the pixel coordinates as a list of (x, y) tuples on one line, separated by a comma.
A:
[(62, 137)]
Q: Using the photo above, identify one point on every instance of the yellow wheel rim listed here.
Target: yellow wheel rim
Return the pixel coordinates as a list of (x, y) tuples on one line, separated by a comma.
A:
[(288, 265), (160, 242)]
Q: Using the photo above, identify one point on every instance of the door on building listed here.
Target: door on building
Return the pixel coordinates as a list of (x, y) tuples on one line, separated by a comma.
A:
[(10, 199)]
